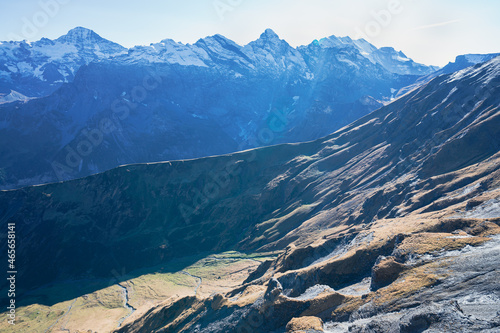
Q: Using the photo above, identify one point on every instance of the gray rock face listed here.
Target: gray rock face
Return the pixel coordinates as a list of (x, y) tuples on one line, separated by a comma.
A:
[(274, 289), (467, 301)]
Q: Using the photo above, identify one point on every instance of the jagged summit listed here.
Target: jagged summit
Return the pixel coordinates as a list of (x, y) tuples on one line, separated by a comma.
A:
[(269, 34), (79, 35), (86, 39), (217, 38), (80, 31), (167, 41), (337, 41), (333, 41), (392, 60), (270, 41), (46, 64)]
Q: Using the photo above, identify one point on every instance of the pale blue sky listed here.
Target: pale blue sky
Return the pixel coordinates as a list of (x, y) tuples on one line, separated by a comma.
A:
[(429, 31)]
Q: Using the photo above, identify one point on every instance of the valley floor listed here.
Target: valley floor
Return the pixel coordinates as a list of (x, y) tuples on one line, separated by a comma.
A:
[(109, 308)]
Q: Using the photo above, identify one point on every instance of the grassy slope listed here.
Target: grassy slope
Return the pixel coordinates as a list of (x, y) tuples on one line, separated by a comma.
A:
[(100, 311)]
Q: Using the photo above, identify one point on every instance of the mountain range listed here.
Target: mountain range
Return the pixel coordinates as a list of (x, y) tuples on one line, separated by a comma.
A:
[(388, 224), (81, 104), (36, 69)]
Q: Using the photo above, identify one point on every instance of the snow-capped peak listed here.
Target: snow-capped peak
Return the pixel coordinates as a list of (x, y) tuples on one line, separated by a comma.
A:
[(333, 42), (269, 40), (46, 64), (84, 38), (213, 41), (387, 57), (80, 35), (269, 34), (168, 41)]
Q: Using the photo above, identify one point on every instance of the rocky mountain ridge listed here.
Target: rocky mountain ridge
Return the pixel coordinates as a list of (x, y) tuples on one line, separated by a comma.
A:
[(36, 69)]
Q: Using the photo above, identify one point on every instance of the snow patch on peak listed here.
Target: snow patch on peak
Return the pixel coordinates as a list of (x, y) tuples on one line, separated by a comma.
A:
[(87, 39), (169, 51), (217, 41), (335, 42), (46, 63), (466, 60), (80, 31), (168, 41), (13, 96), (78, 35), (387, 57), (268, 39), (477, 58), (485, 72), (221, 38)]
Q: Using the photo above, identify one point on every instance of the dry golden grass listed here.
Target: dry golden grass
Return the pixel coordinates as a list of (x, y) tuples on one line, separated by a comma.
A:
[(304, 323), (248, 296), (423, 243), (100, 311), (407, 284)]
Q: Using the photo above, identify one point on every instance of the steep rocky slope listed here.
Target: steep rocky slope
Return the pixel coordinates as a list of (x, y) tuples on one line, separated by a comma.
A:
[(377, 199), (396, 228)]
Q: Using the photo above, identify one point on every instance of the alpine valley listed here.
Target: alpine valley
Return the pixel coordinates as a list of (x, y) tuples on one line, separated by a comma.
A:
[(333, 187)]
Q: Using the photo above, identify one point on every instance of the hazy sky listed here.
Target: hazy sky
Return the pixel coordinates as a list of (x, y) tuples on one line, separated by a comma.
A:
[(429, 31)]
